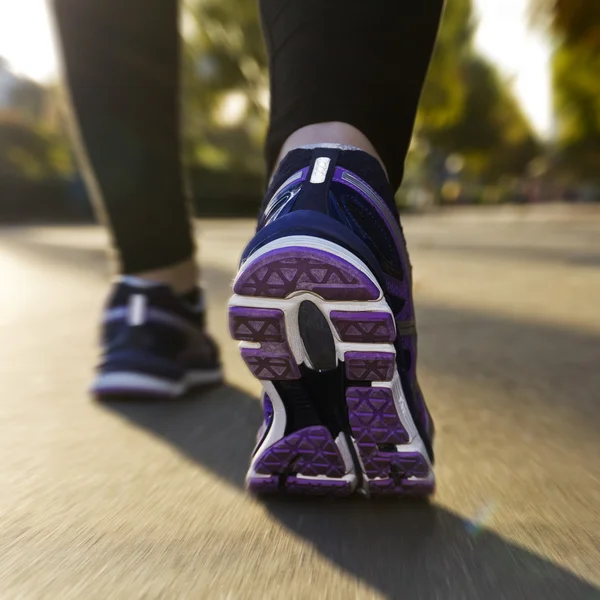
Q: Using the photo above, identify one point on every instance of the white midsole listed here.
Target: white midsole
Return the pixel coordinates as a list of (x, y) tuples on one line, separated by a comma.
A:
[(290, 307), (128, 381)]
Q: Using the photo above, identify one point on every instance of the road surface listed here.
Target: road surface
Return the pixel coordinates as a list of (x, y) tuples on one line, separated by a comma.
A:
[(146, 501)]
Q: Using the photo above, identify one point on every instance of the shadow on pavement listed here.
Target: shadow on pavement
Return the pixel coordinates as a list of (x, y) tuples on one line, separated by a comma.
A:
[(404, 550), (423, 552), (202, 426), (556, 364)]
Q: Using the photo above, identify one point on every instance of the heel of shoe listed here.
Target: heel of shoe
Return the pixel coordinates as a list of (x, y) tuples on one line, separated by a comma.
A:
[(306, 310)]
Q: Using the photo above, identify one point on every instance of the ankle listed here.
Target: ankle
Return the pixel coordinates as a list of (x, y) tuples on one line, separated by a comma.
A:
[(181, 277), (333, 132)]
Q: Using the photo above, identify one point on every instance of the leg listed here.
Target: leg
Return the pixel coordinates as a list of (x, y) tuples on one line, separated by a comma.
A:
[(123, 77), (322, 304), (349, 73), (121, 61)]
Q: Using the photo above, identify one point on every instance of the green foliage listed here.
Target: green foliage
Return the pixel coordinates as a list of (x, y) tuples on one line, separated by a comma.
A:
[(28, 151), (576, 82), (575, 22), (444, 94), (576, 70), (492, 134), (225, 56), (468, 109)]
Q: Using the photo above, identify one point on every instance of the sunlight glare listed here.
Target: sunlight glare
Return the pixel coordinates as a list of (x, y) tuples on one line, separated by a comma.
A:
[(26, 38)]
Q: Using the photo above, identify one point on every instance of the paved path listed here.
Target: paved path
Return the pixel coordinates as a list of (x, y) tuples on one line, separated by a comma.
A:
[(147, 501)]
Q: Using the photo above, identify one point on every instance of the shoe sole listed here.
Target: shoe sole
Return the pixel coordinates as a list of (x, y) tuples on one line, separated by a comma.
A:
[(124, 384), (306, 303)]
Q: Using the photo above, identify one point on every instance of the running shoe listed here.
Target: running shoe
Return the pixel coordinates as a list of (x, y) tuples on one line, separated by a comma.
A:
[(323, 311), (154, 344)]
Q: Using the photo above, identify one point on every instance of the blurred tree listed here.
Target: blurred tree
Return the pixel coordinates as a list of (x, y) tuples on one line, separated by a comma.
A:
[(493, 135), (37, 175), (575, 25), (575, 21), (467, 108), (27, 151), (28, 97), (576, 81), (445, 91), (226, 84)]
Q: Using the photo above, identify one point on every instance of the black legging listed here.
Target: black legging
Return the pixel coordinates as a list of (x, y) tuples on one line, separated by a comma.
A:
[(353, 61)]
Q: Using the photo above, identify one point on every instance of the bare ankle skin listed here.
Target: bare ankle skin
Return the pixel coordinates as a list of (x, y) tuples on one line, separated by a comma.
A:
[(181, 277), (333, 132)]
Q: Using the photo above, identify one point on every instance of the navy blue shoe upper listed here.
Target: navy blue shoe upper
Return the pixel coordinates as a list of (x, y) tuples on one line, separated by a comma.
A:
[(151, 331)]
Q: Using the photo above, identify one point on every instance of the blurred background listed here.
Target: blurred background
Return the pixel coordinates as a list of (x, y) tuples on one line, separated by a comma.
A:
[(510, 112), (502, 215)]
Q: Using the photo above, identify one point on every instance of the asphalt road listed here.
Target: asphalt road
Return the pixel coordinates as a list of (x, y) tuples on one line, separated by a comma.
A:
[(146, 501)]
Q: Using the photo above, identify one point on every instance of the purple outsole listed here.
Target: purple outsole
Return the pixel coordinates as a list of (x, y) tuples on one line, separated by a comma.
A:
[(376, 428), (256, 324), (373, 418), (309, 452), (388, 487), (294, 485), (271, 362), (274, 359), (308, 462), (364, 327), (282, 271), (370, 366)]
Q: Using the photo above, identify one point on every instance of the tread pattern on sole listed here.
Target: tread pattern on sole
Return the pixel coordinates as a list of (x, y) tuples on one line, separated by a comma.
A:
[(274, 359), (280, 272), (256, 324), (373, 419), (378, 432), (309, 461), (364, 327), (370, 366), (309, 452)]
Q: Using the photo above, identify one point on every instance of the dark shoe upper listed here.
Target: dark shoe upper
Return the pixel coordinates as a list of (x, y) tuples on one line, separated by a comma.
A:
[(351, 203), (151, 331)]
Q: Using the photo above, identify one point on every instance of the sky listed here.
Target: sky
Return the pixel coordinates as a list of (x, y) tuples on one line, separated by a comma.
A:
[(503, 35)]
